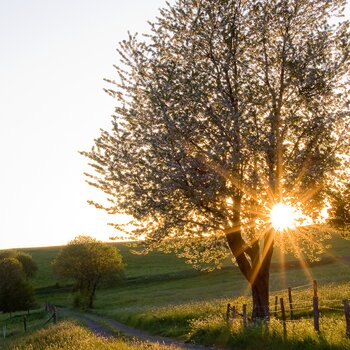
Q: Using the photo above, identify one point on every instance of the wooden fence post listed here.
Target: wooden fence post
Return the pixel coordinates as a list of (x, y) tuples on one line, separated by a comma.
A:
[(283, 311), (314, 283), (276, 302), (347, 316), (228, 312), (54, 315), (233, 314), (244, 315), (316, 313), (25, 323), (290, 302)]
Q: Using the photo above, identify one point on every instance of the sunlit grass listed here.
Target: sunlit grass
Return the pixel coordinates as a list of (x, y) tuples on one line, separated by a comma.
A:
[(205, 322), (69, 335), (298, 335), (165, 296)]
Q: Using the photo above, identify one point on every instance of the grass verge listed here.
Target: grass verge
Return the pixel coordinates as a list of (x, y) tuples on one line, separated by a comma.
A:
[(69, 335)]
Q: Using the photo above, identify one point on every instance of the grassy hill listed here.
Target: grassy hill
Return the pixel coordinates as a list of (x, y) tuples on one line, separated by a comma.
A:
[(160, 266), (160, 280), (164, 295)]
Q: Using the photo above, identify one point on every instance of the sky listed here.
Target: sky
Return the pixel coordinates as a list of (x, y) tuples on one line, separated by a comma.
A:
[(54, 55)]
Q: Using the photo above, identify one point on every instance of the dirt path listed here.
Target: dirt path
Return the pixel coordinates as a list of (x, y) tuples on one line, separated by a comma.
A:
[(95, 324)]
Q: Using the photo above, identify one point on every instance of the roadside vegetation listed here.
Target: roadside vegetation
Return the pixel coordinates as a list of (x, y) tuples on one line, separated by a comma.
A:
[(72, 336)]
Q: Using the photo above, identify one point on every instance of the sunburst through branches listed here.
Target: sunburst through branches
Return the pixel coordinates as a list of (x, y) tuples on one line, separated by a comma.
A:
[(283, 217), (287, 217)]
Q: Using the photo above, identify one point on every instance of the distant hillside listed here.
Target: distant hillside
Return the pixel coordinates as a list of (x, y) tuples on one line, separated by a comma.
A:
[(159, 265)]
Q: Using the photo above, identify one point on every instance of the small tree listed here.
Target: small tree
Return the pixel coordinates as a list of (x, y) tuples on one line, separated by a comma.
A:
[(15, 291), (89, 263)]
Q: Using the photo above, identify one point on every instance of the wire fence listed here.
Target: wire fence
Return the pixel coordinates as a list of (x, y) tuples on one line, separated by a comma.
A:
[(24, 322), (303, 286), (314, 307)]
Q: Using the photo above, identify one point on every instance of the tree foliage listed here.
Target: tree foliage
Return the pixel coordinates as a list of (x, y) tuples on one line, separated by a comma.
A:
[(341, 211), (226, 108), (89, 263), (15, 291), (29, 266)]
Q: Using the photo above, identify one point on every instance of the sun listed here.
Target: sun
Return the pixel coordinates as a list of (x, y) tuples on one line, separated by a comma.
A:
[(283, 217)]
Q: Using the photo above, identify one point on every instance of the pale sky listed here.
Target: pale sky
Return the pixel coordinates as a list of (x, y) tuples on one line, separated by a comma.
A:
[(54, 55)]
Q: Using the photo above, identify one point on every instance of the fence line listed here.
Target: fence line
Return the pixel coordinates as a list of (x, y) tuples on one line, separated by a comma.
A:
[(297, 287), (332, 308), (314, 306), (333, 300), (49, 308)]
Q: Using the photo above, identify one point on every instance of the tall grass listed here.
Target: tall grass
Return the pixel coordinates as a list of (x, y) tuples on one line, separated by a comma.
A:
[(69, 335), (205, 322), (213, 330)]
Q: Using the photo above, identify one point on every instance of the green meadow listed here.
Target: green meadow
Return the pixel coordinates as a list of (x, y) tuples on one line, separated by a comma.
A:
[(165, 296)]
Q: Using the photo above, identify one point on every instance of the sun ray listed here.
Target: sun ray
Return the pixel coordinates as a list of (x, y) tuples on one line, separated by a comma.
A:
[(267, 188), (281, 214), (255, 268), (302, 260), (225, 174), (244, 248), (310, 193), (297, 181), (301, 232), (282, 264), (249, 209), (268, 241)]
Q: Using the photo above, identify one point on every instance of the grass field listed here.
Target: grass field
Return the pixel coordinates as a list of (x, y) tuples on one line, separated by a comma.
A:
[(70, 335), (165, 296)]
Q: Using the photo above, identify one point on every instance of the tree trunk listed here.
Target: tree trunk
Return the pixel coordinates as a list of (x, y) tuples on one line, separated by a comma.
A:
[(92, 295), (260, 294), (257, 270), (260, 283)]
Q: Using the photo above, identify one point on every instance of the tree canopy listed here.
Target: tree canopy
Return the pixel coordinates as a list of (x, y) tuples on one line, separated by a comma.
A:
[(15, 291), (225, 109), (89, 263), (29, 266)]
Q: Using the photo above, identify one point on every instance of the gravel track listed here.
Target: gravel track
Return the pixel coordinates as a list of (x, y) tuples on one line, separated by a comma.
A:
[(95, 324)]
